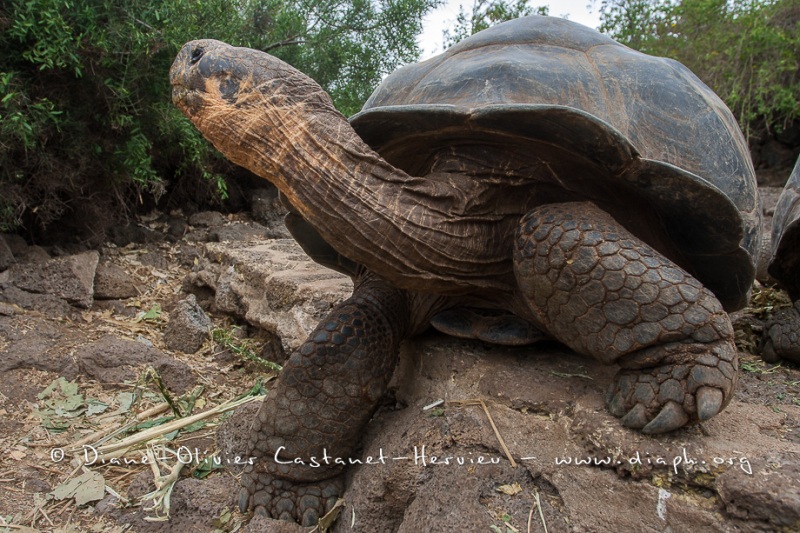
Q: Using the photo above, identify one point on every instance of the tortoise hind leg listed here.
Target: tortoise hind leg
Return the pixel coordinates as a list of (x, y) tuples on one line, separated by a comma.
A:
[(326, 393), (601, 291), (782, 337)]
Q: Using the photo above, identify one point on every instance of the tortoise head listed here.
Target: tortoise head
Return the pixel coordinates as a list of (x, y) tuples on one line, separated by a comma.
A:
[(253, 107)]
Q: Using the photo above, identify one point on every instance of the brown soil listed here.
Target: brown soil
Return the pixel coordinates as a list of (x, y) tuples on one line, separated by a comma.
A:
[(37, 347), (109, 351)]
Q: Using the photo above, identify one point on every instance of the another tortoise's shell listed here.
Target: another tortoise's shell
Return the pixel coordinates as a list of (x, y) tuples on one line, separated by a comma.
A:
[(648, 129), (784, 265)]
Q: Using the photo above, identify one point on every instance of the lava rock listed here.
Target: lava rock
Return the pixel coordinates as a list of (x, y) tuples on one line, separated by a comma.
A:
[(15, 243), (40, 346), (177, 228), (31, 254), (44, 303), (196, 505), (70, 278), (277, 286), (113, 360), (112, 283), (188, 327), (207, 219), (240, 232), (6, 256), (772, 495)]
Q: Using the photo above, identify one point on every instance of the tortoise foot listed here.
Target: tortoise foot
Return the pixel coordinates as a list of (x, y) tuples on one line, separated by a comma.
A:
[(282, 499), (327, 392), (601, 291), (782, 337), (692, 383)]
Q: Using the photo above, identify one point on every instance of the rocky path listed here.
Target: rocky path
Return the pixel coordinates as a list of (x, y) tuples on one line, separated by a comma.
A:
[(193, 315)]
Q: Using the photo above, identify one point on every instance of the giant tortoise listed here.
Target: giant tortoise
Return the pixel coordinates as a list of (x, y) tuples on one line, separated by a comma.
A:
[(536, 180), (782, 336)]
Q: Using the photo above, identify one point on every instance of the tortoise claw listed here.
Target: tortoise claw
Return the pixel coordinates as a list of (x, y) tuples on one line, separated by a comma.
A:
[(672, 416), (310, 518), (244, 500), (768, 352), (636, 418), (617, 404), (291, 501), (709, 402)]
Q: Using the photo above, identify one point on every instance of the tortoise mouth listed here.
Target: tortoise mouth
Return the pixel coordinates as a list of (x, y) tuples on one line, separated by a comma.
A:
[(184, 93), (180, 95), (188, 100)]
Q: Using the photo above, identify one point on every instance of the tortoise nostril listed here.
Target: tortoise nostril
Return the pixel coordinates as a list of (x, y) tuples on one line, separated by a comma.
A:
[(197, 53)]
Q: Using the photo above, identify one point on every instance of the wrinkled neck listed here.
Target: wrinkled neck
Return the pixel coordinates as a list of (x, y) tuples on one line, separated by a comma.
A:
[(358, 202), (418, 233)]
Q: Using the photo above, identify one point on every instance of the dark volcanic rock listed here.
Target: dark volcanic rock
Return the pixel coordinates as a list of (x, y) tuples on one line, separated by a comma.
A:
[(15, 243), (266, 208), (195, 505), (39, 346), (177, 228), (188, 327), (113, 283), (240, 232), (44, 303), (70, 278), (232, 434), (176, 375), (207, 219), (6, 255), (31, 254), (155, 259), (265, 205), (124, 235), (771, 494), (112, 360)]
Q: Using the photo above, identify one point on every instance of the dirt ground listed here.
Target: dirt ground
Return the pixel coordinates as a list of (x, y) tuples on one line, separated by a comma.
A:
[(122, 378), (115, 355)]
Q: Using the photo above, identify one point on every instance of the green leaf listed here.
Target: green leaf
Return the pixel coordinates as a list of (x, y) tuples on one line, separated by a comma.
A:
[(152, 315), (207, 466), (86, 488), (94, 407)]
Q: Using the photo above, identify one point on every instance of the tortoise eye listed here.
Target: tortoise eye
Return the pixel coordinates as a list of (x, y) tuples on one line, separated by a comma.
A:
[(197, 53)]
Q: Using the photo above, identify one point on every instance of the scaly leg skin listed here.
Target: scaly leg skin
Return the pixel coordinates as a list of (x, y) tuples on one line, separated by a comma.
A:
[(782, 337), (326, 393), (604, 293)]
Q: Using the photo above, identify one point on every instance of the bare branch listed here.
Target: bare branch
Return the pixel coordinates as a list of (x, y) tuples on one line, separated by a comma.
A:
[(289, 41)]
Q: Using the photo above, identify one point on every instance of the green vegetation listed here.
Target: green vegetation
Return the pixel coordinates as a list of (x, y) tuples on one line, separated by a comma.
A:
[(86, 121), (245, 349), (747, 51), (87, 127)]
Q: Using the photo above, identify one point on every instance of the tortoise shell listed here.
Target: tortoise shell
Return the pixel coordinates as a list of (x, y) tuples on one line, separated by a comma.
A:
[(641, 136), (784, 264)]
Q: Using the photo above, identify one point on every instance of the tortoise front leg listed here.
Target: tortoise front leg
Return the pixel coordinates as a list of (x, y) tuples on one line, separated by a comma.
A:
[(326, 393), (601, 291)]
